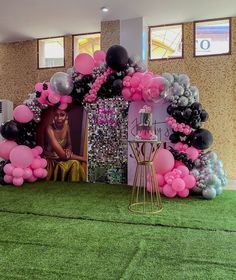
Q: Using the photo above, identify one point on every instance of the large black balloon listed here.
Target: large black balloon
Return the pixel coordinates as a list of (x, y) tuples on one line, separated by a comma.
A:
[(201, 139), (10, 130), (117, 57)]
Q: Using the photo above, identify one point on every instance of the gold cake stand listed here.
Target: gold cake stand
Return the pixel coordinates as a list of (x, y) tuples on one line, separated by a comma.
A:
[(145, 197)]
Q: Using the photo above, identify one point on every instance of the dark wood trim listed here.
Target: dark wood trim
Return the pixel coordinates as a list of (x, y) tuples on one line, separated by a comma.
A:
[(41, 68), (208, 20), (149, 42), (80, 34)]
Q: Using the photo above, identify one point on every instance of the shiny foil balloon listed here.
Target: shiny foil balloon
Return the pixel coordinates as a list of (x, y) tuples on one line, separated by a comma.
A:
[(62, 83)]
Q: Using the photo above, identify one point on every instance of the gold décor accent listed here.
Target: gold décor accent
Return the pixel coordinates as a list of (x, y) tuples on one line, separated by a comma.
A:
[(144, 201)]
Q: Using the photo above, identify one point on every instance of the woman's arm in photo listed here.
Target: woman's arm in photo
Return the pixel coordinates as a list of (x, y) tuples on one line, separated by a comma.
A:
[(55, 145), (74, 156)]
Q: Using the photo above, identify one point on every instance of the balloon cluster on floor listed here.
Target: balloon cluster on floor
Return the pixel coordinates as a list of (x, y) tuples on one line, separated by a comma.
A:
[(185, 166)]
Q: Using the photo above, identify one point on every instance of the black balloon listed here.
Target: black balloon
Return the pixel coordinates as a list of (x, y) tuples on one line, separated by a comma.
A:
[(169, 109), (196, 106), (187, 114), (118, 84), (204, 116), (117, 57), (174, 137), (10, 130), (201, 139)]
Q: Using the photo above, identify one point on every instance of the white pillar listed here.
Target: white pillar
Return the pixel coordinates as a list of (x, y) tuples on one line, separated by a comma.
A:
[(133, 36)]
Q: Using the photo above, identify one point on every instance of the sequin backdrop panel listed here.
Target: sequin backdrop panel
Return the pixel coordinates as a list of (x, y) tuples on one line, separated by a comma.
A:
[(160, 127)]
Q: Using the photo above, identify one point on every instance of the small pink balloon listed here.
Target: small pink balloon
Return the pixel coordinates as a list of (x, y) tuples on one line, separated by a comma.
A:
[(184, 169), (160, 190), (6, 147), (84, 63), (190, 181), (38, 173), (63, 106), (32, 179), (8, 169), (18, 172), (192, 153), (8, 179), (160, 180), (168, 191), (178, 184), (134, 82), (44, 163), (39, 149), (23, 114), (126, 93), (39, 87), (27, 173), (137, 97), (21, 156), (99, 56), (18, 181), (54, 98), (66, 99), (184, 193), (45, 173), (178, 163), (36, 163)]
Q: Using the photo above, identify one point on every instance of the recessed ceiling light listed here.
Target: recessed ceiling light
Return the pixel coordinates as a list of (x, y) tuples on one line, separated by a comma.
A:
[(104, 9)]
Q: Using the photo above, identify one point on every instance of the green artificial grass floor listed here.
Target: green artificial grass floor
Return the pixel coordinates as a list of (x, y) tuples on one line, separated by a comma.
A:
[(85, 231)]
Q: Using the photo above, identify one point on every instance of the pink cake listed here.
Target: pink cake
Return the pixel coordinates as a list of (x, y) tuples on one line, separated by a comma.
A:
[(145, 129)]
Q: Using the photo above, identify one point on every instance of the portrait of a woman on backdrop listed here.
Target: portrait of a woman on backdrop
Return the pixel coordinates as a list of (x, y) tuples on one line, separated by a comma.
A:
[(63, 135)]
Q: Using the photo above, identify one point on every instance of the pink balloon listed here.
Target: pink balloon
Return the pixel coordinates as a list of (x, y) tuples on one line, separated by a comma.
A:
[(8, 169), (99, 56), (134, 82), (44, 162), (18, 172), (18, 181), (27, 173), (168, 191), (5, 148), (45, 173), (183, 169), (192, 153), (39, 87), (178, 163), (36, 163), (39, 149), (38, 173), (84, 63), (8, 179), (164, 161), (63, 106), (66, 99), (160, 180), (190, 181), (32, 179), (126, 94), (160, 190), (184, 193), (21, 156), (137, 97), (54, 98), (178, 185), (23, 114)]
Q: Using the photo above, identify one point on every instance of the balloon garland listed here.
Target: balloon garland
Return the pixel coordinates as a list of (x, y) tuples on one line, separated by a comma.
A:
[(186, 165)]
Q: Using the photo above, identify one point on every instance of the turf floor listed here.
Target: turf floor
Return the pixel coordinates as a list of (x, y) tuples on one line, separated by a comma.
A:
[(85, 231)]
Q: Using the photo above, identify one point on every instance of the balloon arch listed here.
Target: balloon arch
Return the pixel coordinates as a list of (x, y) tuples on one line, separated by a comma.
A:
[(105, 84)]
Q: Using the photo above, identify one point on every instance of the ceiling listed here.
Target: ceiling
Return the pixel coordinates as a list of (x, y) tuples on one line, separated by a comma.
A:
[(30, 19)]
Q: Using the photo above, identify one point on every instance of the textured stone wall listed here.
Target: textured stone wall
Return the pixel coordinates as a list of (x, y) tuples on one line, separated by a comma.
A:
[(110, 34), (215, 78), (18, 68)]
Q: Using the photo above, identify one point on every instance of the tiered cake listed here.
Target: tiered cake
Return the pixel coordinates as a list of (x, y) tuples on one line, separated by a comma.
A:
[(145, 129)]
